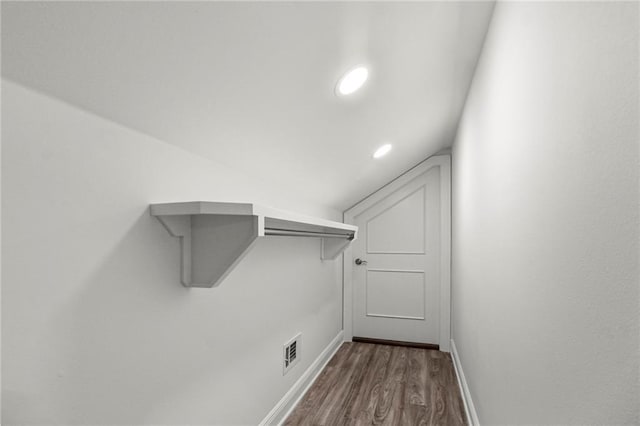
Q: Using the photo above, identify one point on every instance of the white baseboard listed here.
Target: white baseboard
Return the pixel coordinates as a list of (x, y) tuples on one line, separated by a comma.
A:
[(289, 401), (469, 408)]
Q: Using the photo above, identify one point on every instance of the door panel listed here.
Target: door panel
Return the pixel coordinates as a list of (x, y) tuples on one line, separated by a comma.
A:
[(400, 228), (396, 293)]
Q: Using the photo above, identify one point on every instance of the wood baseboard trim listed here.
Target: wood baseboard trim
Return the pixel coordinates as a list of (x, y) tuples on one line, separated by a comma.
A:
[(395, 343), (283, 408), (469, 408)]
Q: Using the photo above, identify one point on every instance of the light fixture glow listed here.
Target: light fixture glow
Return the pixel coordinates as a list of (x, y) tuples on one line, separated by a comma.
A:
[(382, 151), (352, 81)]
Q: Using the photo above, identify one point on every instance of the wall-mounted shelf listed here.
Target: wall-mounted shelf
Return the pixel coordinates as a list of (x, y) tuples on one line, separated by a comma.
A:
[(216, 236)]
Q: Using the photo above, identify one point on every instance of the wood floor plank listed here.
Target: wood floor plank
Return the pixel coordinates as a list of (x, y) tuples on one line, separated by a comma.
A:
[(455, 405), (414, 415), (394, 413), (320, 388), (349, 369), (361, 410), (357, 374), (393, 388), (370, 384), (438, 409), (416, 390)]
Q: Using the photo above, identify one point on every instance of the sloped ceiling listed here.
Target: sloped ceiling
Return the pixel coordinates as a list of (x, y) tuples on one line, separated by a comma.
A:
[(251, 85)]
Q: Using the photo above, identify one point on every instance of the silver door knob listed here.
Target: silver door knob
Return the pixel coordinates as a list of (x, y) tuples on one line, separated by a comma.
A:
[(360, 262)]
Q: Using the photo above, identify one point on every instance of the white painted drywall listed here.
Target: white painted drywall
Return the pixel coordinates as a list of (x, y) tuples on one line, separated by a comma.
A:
[(97, 328), (545, 222)]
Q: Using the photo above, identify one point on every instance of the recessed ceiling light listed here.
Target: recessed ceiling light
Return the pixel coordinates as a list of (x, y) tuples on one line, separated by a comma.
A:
[(352, 81), (382, 151)]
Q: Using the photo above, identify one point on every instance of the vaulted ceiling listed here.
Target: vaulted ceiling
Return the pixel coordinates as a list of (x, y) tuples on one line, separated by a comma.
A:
[(251, 84)]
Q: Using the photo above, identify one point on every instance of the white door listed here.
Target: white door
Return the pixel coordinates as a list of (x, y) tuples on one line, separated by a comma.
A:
[(396, 264)]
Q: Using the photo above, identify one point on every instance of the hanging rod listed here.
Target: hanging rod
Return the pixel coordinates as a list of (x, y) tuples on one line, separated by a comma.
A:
[(287, 233)]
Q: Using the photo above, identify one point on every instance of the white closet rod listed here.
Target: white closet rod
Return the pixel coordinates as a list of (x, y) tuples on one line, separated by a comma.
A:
[(286, 233)]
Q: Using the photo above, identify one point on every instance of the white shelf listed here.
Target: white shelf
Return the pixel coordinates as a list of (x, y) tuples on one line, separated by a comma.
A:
[(216, 236)]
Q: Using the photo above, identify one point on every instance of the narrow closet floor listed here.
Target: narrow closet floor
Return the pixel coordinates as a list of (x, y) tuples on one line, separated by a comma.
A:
[(366, 384)]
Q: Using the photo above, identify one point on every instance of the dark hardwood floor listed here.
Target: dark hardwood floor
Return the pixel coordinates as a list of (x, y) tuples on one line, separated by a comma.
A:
[(367, 384)]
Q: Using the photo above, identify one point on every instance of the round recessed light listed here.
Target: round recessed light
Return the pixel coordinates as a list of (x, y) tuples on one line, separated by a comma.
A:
[(382, 151), (352, 81)]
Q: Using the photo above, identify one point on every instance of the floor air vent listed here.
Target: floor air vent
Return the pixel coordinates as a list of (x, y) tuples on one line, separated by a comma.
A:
[(291, 353)]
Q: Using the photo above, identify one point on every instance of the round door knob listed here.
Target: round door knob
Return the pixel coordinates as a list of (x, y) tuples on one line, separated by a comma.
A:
[(360, 262)]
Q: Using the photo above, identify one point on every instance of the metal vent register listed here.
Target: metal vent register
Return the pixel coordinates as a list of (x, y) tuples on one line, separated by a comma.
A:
[(291, 353)]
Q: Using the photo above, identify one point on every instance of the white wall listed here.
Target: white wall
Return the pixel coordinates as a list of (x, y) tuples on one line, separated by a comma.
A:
[(545, 224), (96, 327)]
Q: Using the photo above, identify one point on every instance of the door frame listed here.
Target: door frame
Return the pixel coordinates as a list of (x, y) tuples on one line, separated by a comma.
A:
[(444, 164)]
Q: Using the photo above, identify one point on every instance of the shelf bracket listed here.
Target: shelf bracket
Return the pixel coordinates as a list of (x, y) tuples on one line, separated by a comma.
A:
[(211, 245), (333, 247)]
